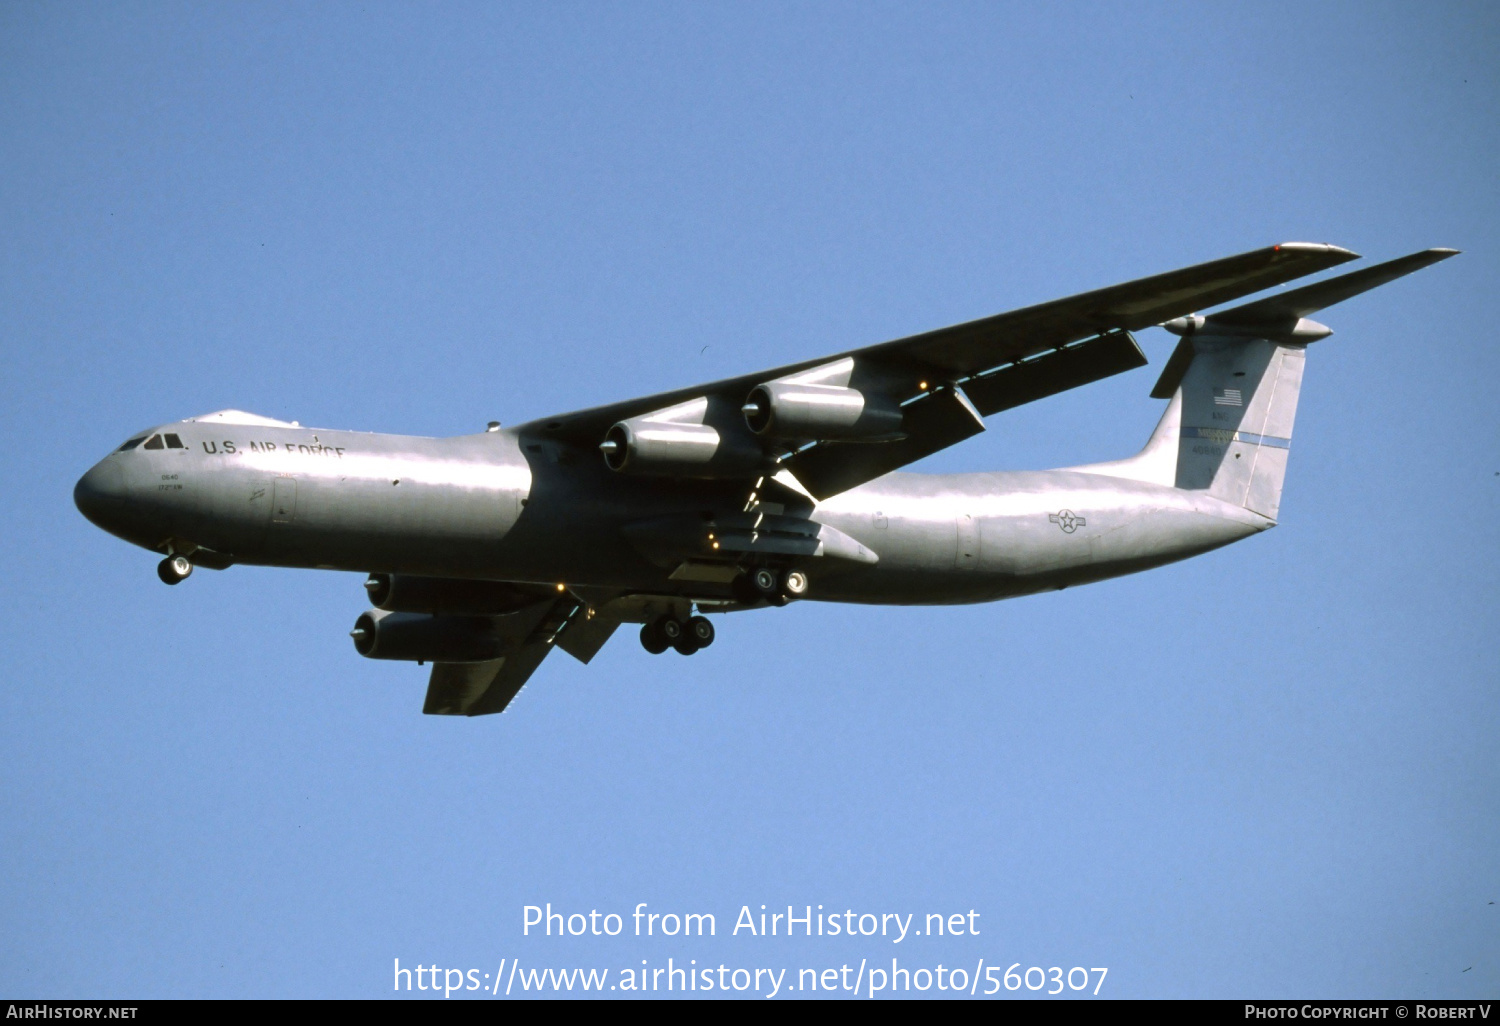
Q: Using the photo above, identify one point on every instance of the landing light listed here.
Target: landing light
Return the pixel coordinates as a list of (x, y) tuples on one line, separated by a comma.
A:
[(562, 587)]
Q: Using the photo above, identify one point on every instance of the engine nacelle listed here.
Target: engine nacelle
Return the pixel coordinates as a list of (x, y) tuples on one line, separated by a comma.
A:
[(678, 442), (646, 447), (779, 409), (405, 593), (439, 639)]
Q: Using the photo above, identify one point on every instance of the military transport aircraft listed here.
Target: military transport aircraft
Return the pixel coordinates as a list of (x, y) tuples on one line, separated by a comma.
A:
[(485, 551)]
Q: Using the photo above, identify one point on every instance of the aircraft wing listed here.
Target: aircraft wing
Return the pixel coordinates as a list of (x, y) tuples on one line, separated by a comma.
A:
[(971, 370), (476, 689), (473, 689)]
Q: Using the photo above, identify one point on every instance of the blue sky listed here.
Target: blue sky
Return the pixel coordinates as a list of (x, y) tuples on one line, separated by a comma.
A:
[(1268, 771)]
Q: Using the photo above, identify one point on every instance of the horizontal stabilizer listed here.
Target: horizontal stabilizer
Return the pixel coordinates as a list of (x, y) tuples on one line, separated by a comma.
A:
[(1289, 306), (1281, 317)]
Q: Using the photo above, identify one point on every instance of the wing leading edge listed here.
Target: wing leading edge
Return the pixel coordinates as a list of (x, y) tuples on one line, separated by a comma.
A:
[(975, 349)]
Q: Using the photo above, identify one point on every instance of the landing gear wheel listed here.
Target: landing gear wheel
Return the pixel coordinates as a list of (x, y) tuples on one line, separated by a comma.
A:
[(794, 584), (174, 569), (701, 631), (680, 635), (765, 582), (671, 631), (651, 639)]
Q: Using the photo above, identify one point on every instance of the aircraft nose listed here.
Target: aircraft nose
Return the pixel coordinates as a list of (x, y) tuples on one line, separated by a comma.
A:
[(100, 494)]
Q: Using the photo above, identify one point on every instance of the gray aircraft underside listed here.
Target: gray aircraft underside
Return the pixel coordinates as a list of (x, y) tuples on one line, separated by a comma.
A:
[(486, 551)]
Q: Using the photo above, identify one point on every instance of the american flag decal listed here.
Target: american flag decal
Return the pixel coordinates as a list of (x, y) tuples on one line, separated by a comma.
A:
[(1228, 397)]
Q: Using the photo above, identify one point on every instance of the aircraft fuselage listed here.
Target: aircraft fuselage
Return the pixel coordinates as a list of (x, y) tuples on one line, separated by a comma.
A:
[(498, 506)]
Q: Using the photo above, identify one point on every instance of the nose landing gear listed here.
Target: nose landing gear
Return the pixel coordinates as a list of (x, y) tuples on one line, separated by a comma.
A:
[(686, 636), (174, 569)]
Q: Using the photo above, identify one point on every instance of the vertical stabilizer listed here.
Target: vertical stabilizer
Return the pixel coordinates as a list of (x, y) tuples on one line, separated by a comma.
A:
[(1228, 427), (1239, 402), (1234, 381)]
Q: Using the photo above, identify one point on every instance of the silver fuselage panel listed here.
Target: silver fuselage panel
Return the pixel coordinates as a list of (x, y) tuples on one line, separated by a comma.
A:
[(503, 507)]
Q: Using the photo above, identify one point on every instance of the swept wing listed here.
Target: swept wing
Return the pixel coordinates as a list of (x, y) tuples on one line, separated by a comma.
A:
[(475, 689), (949, 379)]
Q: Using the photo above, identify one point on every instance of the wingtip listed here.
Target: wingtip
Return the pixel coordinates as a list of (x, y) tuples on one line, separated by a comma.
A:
[(1426, 257), (1316, 247)]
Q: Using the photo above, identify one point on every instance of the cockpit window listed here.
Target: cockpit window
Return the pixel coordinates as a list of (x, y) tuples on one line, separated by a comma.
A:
[(173, 442), (154, 443), (131, 444)]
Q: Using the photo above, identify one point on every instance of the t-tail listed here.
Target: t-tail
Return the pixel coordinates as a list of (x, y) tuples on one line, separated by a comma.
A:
[(1234, 381)]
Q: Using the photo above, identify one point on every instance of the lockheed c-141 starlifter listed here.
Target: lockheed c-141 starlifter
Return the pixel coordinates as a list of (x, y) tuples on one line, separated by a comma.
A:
[(486, 551)]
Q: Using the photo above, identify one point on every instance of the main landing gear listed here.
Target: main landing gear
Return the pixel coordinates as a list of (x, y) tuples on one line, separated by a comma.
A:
[(760, 586), (174, 569), (686, 636), (767, 585)]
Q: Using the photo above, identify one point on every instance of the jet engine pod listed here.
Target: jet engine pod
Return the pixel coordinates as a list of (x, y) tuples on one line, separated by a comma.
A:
[(417, 636), (779, 409), (405, 593), (647, 447), (678, 441)]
